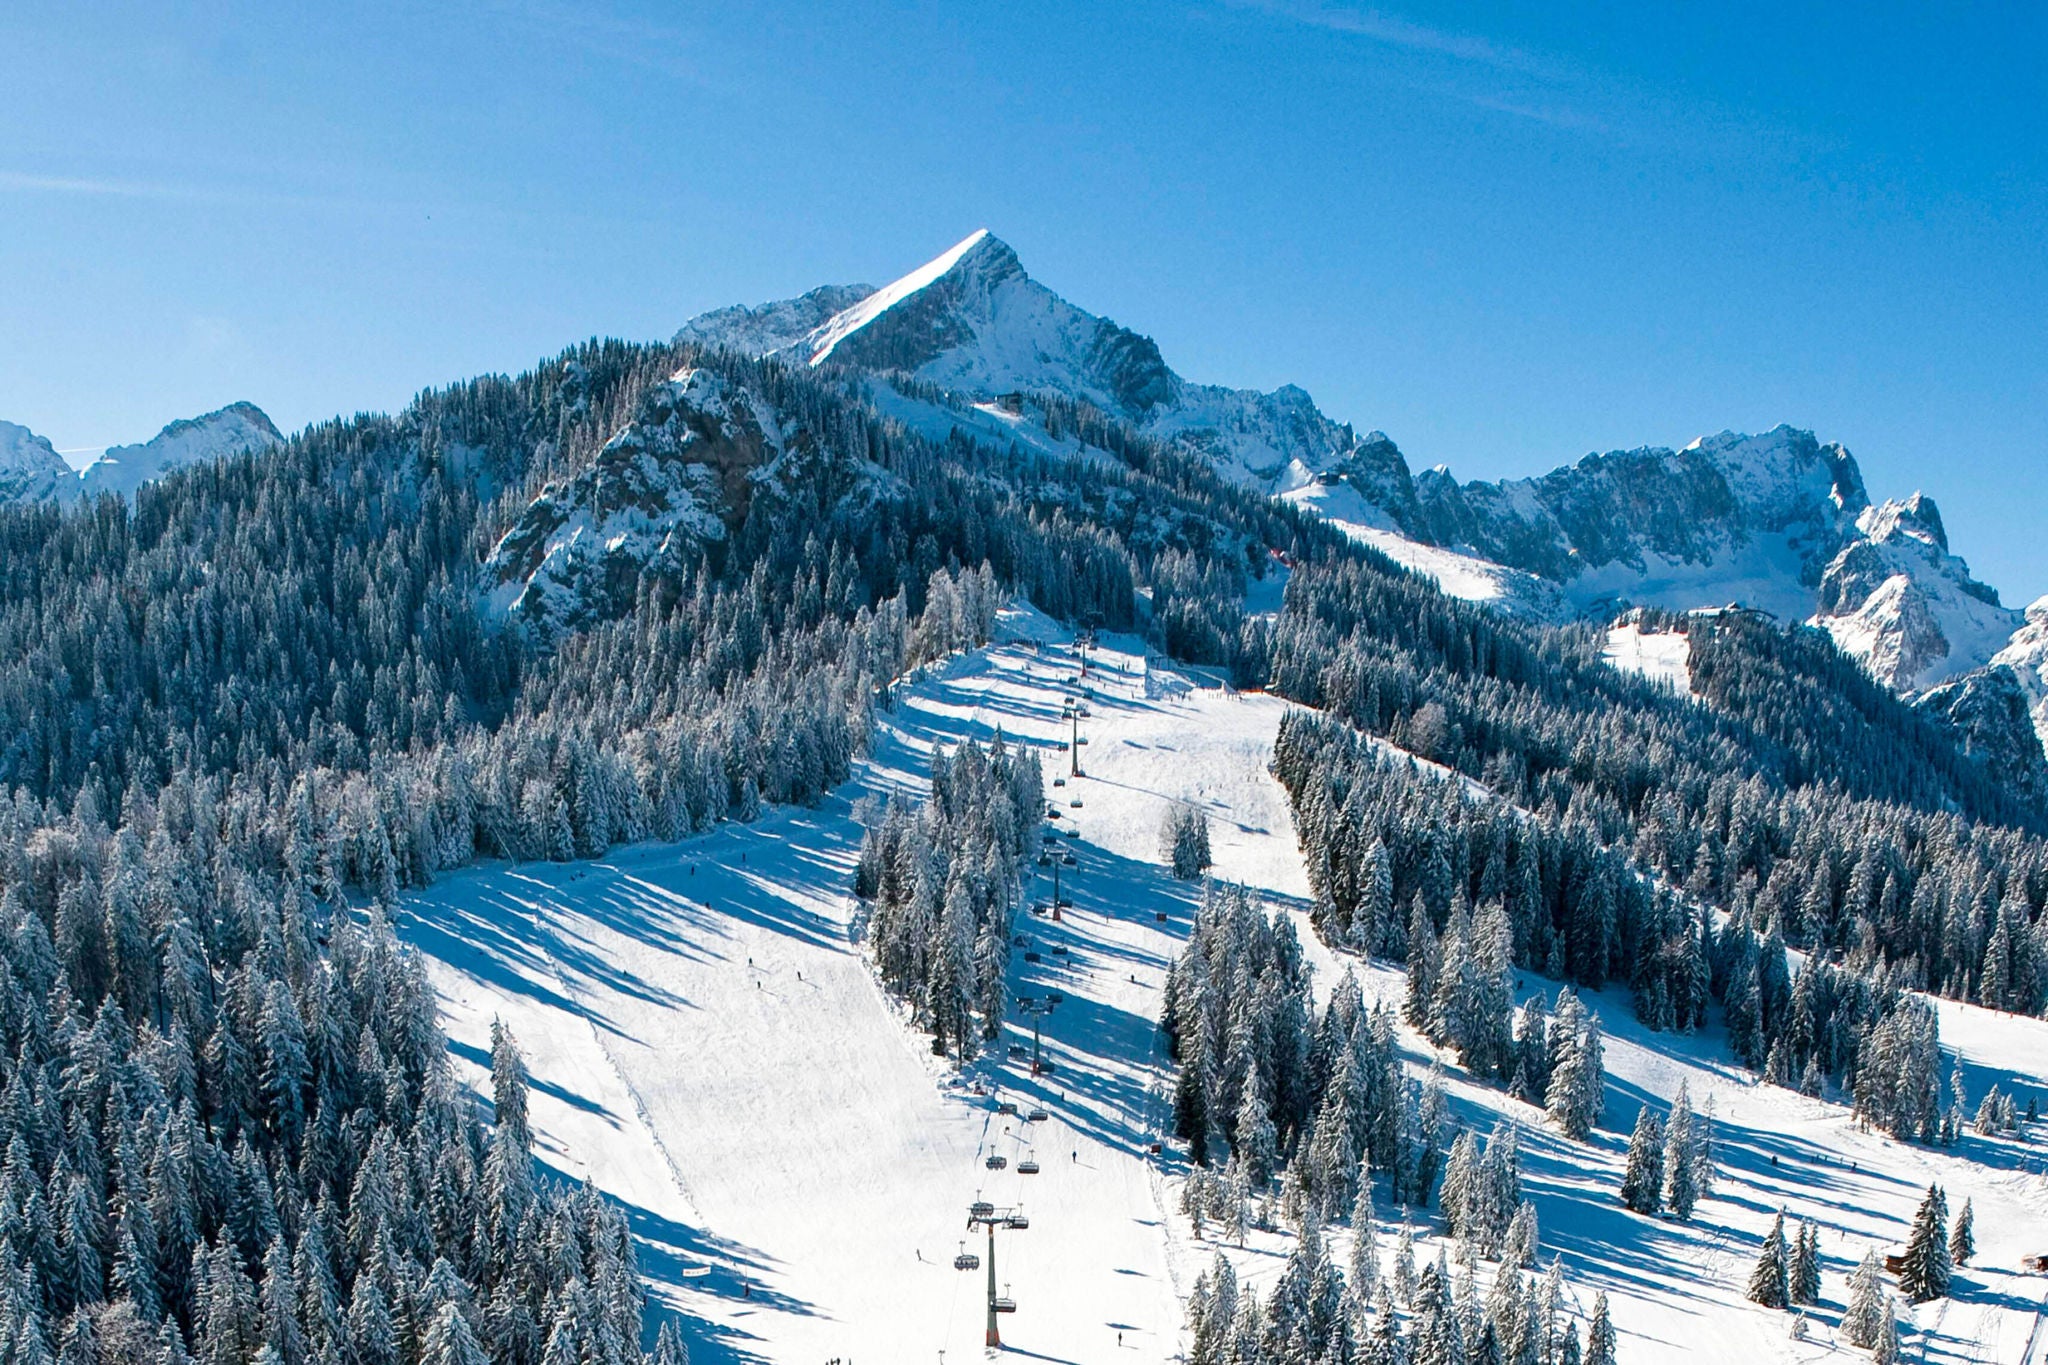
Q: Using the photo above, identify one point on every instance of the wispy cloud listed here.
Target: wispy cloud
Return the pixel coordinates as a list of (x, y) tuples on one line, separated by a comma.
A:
[(626, 39), (22, 182), (1494, 76), (1395, 31)]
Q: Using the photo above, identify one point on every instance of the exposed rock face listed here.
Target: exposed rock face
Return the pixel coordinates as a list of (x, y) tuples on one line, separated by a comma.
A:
[(675, 481)]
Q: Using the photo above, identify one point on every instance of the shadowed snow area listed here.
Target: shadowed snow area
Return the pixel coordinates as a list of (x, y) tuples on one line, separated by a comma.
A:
[(709, 1045)]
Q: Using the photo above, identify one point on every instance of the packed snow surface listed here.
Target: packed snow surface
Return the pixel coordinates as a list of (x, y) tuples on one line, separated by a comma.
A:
[(709, 1045)]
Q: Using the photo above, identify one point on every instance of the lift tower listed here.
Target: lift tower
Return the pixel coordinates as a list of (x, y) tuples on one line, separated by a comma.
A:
[(981, 1214)]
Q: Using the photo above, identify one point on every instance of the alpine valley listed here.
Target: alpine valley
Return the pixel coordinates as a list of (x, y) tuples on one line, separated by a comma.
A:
[(650, 860)]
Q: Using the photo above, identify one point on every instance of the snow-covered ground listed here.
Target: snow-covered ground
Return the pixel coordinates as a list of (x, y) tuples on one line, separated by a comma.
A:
[(1663, 656), (709, 1045)]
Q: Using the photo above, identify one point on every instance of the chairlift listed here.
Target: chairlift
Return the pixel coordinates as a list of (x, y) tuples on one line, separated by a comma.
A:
[(1059, 950), (1045, 860), (1059, 781), (1027, 1167), (1007, 1107), (1056, 997), (1074, 804), (1052, 812), (981, 1209), (1018, 1050), (1037, 1116), (1005, 1305), (1031, 957), (966, 1260), (1069, 860), (996, 1161), (1159, 915), (1017, 1222)]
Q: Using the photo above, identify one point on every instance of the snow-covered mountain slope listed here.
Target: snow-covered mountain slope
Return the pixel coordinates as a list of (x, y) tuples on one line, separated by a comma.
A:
[(681, 473), (772, 326), (1455, 572), (234, 430), (709, 1045), (972, 320), (30, 467)]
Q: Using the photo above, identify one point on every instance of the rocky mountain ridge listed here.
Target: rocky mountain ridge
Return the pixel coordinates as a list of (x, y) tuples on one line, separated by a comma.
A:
[(31, 470), (1777, 521)]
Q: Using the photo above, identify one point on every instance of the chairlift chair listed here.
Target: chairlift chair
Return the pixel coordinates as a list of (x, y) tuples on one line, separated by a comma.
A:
[(1069, 860), (981, 1209), (1045, 860), (1027, 1167), (966, 1260), (996, 1161), (1007, 1107), (1074, 804), (1037, 1116)]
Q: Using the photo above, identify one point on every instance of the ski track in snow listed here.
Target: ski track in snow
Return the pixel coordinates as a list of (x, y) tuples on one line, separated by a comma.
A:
[(708, 1043)]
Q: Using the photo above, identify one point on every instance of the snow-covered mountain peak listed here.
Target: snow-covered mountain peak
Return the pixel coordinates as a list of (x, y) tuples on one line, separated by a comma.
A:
[(977, 264), (30, 467), (236, 429), (974, 321)]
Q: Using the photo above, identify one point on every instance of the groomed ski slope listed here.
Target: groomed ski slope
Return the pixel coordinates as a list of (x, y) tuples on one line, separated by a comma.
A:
[(708, 1044)]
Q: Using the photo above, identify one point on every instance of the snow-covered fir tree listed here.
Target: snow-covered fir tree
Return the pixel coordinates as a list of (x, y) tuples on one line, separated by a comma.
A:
[(1770, 1278), (1184, 841), (1925, 1267), (1576, 1095), (1642, 1181)]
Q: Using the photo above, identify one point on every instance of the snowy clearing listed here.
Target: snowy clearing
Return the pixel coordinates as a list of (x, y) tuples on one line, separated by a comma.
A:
[(1661, 656)]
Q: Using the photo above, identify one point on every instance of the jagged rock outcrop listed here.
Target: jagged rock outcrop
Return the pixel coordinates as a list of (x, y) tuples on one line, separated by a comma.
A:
[(1990, 711), (676, 480)]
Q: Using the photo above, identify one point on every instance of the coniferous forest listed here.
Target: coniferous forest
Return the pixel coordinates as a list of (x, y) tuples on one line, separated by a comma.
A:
[(242, 715)]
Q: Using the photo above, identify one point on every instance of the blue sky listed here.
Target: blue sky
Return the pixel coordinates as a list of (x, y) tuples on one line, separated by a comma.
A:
[(1507, 234)]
